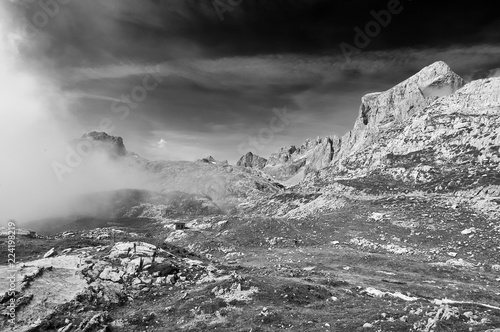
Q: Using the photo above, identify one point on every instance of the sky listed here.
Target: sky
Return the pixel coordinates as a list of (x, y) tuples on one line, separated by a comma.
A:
[(184, 79)]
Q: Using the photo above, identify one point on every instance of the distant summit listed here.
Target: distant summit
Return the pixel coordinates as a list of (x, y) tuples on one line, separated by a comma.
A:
[(252, 160), (208, 160), (112, 144), (212, 160)]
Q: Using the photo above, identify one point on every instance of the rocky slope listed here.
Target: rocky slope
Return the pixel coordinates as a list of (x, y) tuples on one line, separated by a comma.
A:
[(289, 161), (380, 264)]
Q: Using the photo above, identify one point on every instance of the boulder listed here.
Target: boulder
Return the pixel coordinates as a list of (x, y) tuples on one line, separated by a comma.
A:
[(109, 274), (52, 252)]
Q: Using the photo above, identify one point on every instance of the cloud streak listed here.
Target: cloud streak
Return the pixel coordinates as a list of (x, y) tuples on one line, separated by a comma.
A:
[(235, 95)]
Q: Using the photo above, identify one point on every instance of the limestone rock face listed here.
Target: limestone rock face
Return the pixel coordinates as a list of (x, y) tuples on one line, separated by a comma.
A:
[(379, 112), (252, 160), (322, 154), (312, 154), (430, 134), (383, 110), (463, 127), (451, 146)]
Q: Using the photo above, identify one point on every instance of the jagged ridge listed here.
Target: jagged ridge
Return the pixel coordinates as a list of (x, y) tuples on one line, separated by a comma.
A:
[(379, 112)]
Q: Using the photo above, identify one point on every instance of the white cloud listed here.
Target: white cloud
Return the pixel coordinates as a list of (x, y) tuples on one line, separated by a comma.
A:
[(232, 72), (162, 143)]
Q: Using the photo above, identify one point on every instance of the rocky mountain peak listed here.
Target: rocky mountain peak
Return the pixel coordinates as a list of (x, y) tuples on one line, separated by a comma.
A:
[(252, 160), (454, 134), (382, 110), (113, 144), (407, 97), (379, 112)]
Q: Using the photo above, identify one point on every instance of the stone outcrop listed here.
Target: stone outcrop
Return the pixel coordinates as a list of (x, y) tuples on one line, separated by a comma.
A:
[(209, 160), (212, 160), (252, 160), (462, 129), (312, 154)]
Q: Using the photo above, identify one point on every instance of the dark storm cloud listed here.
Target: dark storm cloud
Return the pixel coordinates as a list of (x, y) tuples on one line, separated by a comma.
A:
[(222, 79), (99, 31)]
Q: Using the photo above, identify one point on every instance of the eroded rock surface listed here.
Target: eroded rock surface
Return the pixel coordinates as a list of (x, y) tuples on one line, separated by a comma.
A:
[(89, 281)]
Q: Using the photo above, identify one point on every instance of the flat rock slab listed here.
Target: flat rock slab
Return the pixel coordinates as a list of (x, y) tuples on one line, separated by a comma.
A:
[(54, 287)]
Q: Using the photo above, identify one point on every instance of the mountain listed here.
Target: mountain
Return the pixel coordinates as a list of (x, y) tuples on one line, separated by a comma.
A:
[(434, 136), (457, 130), (448, 148), (379, 112), (431, 133), (223, 183), (209, 159)]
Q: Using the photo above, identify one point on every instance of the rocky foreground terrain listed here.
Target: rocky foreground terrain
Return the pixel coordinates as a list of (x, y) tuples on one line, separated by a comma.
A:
[(393, 227)]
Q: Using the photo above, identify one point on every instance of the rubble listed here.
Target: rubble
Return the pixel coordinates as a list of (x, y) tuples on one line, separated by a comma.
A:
[(88, 277), (235, 293)]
